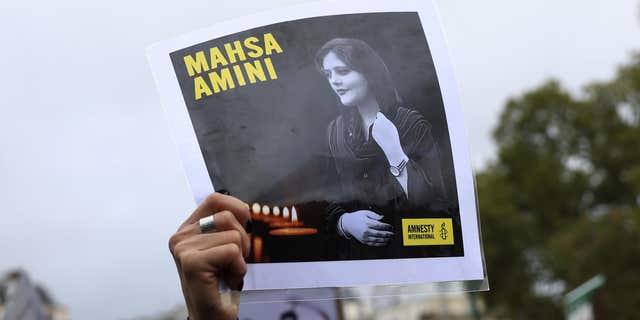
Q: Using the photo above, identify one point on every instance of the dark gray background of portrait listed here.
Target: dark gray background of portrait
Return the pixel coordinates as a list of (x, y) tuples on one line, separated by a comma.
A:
[(267, 142)]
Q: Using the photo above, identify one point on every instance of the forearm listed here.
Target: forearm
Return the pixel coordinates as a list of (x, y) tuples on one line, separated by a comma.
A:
[(403, 180), (340, 228)]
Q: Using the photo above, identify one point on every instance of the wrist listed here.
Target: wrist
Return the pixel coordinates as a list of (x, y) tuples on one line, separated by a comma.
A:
[(396, 156), (341, 229)]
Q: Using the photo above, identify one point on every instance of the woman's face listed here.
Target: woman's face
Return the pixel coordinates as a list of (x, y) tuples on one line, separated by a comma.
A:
[(350, 85)]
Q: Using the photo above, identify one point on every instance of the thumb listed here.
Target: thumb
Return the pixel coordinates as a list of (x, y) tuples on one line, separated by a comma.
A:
[(374, 216)]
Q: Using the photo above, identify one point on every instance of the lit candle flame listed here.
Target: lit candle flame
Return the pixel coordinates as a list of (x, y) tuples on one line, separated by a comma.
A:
[(276, 211), (265, 210), (285, 213), (294, 214), (255, 208)]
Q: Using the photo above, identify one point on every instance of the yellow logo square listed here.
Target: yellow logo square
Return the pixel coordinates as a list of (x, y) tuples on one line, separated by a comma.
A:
[(427, 232)]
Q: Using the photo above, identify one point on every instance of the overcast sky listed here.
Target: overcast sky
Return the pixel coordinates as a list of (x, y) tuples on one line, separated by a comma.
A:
[(90, 182)]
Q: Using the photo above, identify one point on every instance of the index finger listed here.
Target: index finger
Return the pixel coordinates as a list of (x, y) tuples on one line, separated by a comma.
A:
[(217, 202), (373, 215), (377, 225)]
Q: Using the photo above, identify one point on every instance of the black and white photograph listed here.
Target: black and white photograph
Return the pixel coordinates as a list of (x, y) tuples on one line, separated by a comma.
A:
[(333, 128), (353, 141)]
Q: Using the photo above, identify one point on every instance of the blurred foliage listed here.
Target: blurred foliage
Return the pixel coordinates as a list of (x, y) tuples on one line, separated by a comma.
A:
[(560, 203)]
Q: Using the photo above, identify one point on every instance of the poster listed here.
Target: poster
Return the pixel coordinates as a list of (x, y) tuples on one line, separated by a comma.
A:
[(341, 126)]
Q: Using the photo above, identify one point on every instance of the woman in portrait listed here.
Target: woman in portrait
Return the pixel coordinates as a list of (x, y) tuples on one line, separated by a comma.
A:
[(386, 161)]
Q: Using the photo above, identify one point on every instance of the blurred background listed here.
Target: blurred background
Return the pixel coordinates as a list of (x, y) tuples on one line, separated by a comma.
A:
[(91, 185)]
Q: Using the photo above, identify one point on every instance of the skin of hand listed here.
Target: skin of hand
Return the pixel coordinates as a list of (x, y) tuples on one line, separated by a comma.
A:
[(385, 133), (365, 226), (205, 259)]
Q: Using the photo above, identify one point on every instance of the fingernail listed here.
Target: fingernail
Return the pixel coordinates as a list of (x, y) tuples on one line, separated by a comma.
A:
[(224, 191), (249, 225)]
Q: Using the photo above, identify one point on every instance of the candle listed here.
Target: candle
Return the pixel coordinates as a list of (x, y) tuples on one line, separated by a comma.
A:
[(266, 215), (294, 222), (293, 232), (285, 224), (255, 208), (257, 249)]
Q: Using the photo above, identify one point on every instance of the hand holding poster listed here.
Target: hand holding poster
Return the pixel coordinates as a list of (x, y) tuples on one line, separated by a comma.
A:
[(341, 126)]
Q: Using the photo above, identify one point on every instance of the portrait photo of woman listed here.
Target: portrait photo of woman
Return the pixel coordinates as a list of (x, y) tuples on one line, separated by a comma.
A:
[(351, 130), (384, 157), (342, 130)]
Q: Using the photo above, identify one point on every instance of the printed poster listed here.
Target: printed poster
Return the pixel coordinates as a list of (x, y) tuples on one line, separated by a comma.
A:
[(341, 127)]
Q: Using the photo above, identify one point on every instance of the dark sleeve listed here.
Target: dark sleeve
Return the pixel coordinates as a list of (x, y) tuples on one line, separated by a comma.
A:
[(334, 212), (425, 181), (333, 187)]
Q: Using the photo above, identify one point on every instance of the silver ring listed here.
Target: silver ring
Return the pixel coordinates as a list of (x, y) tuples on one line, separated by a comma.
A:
[(207, 224)]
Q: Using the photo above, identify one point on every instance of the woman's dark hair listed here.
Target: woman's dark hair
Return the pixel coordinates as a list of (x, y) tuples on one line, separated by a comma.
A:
[(359, 56)]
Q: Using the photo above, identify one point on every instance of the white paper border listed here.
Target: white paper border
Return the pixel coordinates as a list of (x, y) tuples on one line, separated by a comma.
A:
[(335, 273)]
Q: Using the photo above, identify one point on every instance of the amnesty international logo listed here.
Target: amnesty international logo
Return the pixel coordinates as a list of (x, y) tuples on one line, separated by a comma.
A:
[(443, 231), (427, 232)]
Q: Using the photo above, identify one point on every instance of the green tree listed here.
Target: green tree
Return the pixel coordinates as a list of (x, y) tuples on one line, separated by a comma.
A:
[(560, 202)]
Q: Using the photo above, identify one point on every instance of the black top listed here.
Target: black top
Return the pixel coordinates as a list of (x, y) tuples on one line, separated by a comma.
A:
[(364, 182)]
